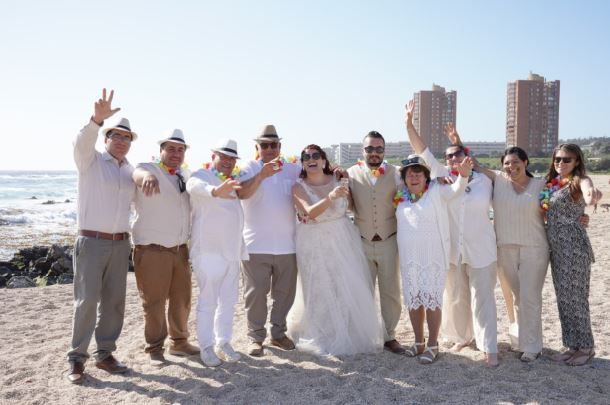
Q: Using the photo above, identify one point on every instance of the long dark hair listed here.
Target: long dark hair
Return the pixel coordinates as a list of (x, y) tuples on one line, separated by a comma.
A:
[(521, 154), (326, 169), (578, 173)]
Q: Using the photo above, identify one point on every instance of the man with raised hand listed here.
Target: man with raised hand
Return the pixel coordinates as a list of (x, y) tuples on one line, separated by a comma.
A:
[(269, 232), (373, 184), (101, 251), (217, 248), (161, 257)]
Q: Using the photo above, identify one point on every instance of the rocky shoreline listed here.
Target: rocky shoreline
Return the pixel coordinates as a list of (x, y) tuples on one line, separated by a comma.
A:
[(39, 266)]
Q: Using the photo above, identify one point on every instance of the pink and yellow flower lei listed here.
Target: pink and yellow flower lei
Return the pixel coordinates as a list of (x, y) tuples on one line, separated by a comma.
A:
[(552, 186), (168, 169), (412, 197), (374, 172), (235, 174)]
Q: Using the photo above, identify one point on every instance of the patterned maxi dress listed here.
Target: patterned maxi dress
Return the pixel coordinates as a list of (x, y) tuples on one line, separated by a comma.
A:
[(571, 258)]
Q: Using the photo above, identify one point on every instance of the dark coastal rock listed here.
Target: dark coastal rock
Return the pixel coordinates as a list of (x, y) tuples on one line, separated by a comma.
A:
[(20, 282), (48, 202), (65, 278), (33, 197), (5, 275), (40, 266)]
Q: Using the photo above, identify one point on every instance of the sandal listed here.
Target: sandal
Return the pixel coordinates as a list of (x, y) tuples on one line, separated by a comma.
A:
[(580, 358), (429, 355), (412, 350), (561, 357)]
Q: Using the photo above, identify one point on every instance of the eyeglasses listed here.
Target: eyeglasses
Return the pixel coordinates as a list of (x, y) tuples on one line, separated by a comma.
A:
[(457, 154), (563, 159), (115, 136), (376, 149), (314, 156), (181, 183), (266, 145)]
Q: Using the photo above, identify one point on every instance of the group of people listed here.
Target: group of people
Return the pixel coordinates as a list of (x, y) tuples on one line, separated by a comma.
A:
[(423, 223)]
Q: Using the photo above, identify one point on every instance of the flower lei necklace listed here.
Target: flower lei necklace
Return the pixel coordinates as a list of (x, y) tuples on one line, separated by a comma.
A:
[(235, 173), (380, 171), (555, 184), (171, 170), (404, 193)]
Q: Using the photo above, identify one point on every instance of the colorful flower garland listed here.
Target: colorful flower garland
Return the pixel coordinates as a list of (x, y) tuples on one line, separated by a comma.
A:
[(412, 197), (235, 174), (380, 171), (555, 184), (170, 170)]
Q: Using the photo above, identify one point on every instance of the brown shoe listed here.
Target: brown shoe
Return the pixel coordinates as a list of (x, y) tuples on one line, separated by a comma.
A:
[(157, 359), (255, 349), (112, 365), (394, 347), (283, 343), (184, 349), (76, 374)]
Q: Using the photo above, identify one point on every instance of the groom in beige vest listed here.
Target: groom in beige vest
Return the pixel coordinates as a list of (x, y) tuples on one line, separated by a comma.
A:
[(373, 184)]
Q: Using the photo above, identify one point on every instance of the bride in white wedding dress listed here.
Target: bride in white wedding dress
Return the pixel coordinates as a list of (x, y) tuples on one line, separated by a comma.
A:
[(334, 311)]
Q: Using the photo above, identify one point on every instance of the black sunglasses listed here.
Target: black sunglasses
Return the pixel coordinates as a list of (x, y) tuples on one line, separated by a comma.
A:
[(314, 156), (456, 154), (377, 149), (267, 145), (181, 183), (563, 159)]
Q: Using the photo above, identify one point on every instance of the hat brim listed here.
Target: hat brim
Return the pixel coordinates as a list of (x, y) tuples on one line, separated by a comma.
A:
[(134, 136), (267, 139), (226, 152), (162, 141)]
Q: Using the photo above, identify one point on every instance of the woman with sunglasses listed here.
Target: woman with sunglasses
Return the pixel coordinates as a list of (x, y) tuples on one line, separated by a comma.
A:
[(334, 312), (563, 199), (469, 302)]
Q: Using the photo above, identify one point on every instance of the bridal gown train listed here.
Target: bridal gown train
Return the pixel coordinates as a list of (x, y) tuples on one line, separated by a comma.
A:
[(334, 311)]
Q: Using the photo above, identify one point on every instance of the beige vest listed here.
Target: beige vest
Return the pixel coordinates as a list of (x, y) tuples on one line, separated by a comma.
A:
[(373, 209)]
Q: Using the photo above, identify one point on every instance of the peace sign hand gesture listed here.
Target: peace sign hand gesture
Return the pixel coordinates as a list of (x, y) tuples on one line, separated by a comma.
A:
[(452, 134), (103, 108)]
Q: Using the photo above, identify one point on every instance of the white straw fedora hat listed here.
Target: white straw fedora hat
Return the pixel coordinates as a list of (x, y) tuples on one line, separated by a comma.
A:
[(176, 135), (268, 134), (119, 123), (226, 147)]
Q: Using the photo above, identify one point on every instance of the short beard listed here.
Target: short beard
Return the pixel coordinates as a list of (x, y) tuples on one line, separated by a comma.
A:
[(374, 165)]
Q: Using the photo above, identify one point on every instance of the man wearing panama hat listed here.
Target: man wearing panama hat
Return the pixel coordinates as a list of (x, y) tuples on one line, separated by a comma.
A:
[(161, 258), (101, 251), (269, 232), (217, 247)]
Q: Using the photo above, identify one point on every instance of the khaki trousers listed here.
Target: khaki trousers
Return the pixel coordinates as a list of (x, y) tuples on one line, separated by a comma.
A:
[(100, 278), (469, 307), (264, 273), (522, 269), (382, 257), (163, 276)]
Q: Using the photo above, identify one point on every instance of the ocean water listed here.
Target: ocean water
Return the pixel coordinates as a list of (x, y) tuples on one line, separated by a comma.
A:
[(25, 220)]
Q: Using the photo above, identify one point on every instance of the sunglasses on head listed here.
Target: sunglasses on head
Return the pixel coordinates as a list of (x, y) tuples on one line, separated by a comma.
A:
[(371, 149), (267, 145), (314, 156), (449, 156), (563, 159)]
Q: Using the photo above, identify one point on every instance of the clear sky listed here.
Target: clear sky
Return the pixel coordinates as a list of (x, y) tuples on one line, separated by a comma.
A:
[(322, 71)]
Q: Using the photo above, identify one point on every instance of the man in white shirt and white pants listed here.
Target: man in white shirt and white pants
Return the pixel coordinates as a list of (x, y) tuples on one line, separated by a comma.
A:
[(217, 247), (161, 258), (101, 251)]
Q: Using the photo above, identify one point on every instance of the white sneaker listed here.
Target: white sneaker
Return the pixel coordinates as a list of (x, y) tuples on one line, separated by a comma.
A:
[(227, 354), (209, 358)]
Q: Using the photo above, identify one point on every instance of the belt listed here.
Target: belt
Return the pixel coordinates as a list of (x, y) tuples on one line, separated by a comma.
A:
[(377, 238), (162, 248), (104, 235)]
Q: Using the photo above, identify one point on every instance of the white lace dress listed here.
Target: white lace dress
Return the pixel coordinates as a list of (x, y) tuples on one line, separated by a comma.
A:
[(334, 311), (423, 264)]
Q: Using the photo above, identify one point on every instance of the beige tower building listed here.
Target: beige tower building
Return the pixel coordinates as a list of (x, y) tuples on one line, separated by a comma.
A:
[(532, 114), (433, 110)]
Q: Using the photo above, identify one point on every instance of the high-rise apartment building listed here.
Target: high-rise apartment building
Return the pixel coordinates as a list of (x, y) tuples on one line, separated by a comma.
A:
[(532, 114), (433, 110)]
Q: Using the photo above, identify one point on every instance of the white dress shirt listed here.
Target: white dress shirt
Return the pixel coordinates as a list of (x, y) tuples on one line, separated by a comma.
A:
[(164, 218), (105, 187), (473, 239), (217, 223), (270, 215)]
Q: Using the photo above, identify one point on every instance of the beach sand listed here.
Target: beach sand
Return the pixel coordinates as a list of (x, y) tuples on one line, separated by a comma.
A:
[(35, 329)]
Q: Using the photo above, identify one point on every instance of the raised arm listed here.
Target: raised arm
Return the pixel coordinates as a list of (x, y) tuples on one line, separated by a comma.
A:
[(591, 194), (416, 141), (301, 200), (491, 174)]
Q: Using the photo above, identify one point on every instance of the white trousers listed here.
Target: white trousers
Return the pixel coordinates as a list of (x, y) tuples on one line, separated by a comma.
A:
[(469, 307), (218, 281), (522, 270)]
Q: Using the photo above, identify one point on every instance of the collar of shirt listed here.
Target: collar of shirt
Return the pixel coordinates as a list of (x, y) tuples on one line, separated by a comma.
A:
[(108, 156)]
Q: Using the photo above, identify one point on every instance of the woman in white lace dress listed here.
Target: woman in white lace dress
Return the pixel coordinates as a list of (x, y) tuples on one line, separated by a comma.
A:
[(334, 311), (423, 248)]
